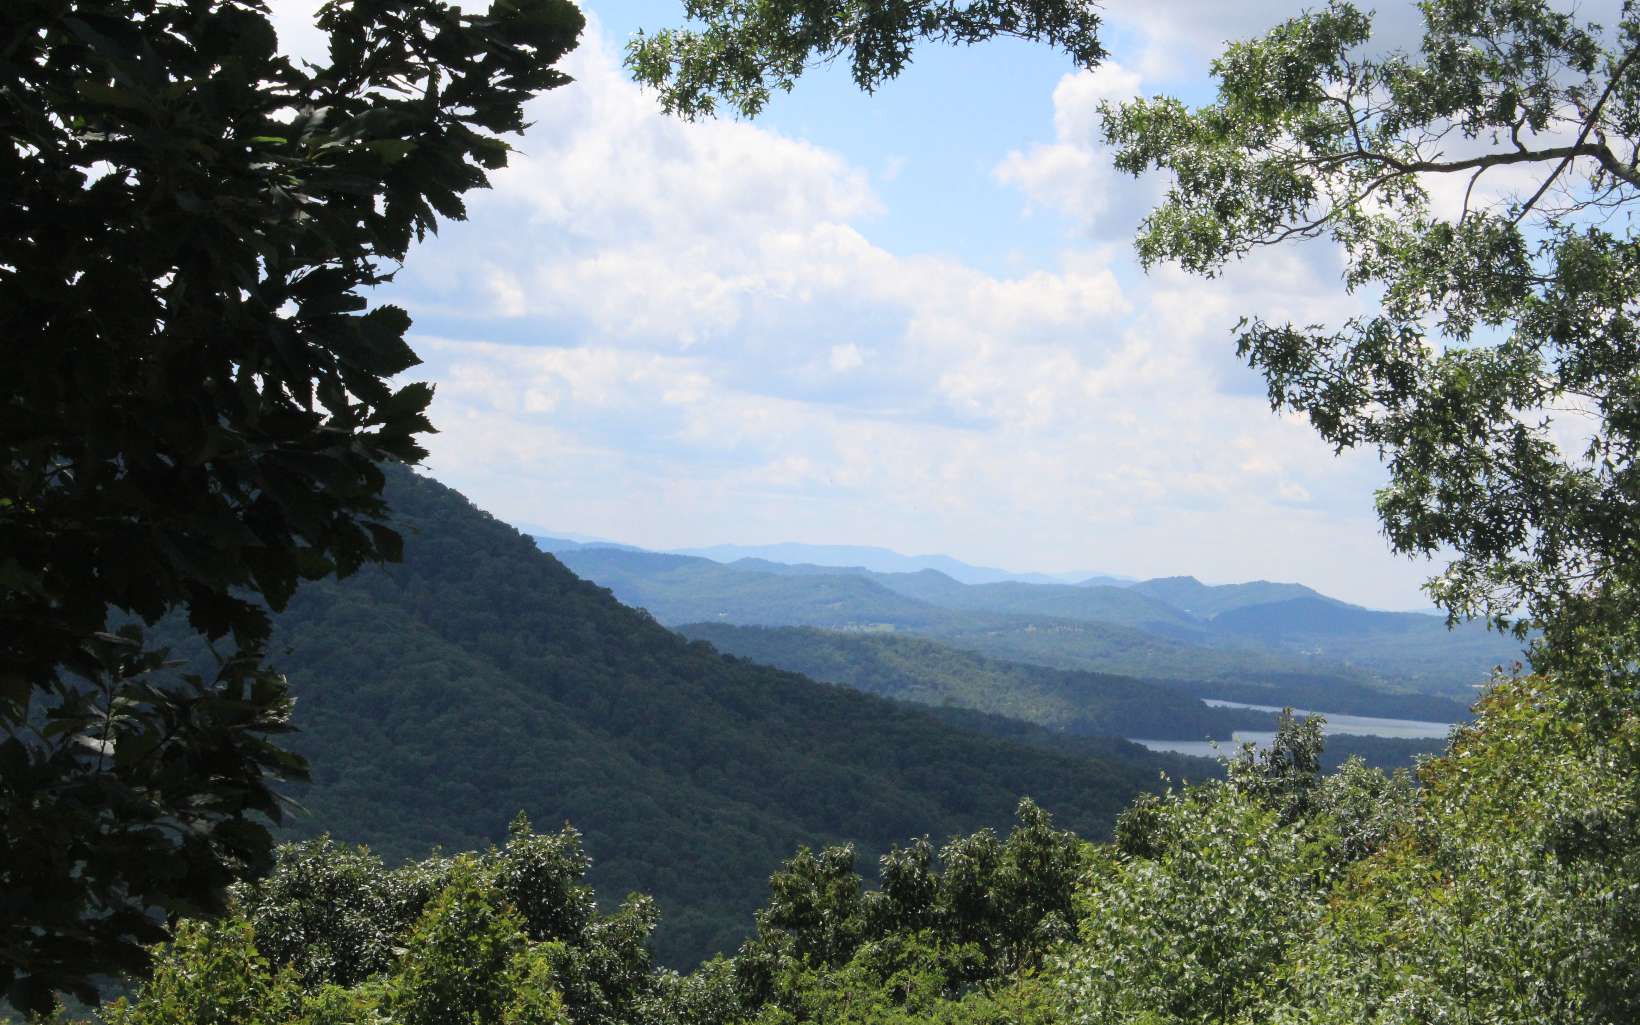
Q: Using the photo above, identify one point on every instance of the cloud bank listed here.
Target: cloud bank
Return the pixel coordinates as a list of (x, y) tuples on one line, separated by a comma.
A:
[(677, 334)]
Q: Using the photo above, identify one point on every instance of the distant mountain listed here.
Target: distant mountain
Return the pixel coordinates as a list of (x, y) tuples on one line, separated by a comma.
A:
[(880, 560), (686, 589), (1155, 642), (1088, 603), (1091, 603), (1318, 616), (439, 696), (1191, 595), (1411, 647), (1105, 580), (550, 544)]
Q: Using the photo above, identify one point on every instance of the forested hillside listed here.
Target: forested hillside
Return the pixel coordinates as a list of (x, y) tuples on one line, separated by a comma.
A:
[(1207, 601), (478, 678), (1006, 621), (880, 560), (1071, 707), (1417, 651), (916, 669)]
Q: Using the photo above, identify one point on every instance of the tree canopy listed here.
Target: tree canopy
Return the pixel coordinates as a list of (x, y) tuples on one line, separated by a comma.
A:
[(743, 50), (1499, 374), (194, 400)]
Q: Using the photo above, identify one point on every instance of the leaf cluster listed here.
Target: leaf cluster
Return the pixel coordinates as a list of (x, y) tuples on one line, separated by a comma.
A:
[(195, 404), (746, 49)]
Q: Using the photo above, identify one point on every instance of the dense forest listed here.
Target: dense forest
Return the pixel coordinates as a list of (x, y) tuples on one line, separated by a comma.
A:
[(478, 678), (915, 669), (1272, 895)]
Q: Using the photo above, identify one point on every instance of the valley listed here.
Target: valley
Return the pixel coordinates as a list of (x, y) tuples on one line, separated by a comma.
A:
[(1283, 642)]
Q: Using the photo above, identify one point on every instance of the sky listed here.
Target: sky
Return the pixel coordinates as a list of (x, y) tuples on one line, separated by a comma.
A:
[(911, 320)]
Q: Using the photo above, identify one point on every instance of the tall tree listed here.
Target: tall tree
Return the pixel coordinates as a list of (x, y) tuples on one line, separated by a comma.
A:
[(1499, 375), (194, 398)]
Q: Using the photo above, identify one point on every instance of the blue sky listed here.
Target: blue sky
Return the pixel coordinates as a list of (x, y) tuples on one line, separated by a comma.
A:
[(911, 320)]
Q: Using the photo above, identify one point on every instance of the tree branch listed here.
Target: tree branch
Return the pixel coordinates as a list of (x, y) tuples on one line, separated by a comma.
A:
[(1589, 122)]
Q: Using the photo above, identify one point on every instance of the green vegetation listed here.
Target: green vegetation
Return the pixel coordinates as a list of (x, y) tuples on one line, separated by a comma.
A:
[(331, 936), (680, 590), (1502, 889), (742, 52), (479, 677), (915, 669), (193, 405)]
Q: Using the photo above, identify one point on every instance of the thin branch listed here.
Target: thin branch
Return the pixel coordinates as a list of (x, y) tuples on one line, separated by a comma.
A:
[(1589, 121), (1468, 189)]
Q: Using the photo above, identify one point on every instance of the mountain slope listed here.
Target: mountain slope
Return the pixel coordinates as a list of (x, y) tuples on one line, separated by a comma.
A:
[(920, 670), (1087, 602), (480, 677), (683, 589), (1418, 650)]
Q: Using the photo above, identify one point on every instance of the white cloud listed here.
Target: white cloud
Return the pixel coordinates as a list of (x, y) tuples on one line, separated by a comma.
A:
[(846, 357), (675, 334), (1073, 175)]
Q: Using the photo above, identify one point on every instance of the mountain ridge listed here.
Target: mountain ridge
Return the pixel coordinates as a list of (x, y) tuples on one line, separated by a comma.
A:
[(1170, 627)]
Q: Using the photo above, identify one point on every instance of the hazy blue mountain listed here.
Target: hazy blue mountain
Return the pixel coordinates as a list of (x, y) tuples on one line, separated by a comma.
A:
[(799, 569), (1095, 604), (1410, 647), (880, 560), (687, 589), (1191, 595), (1406, 650), (680, 589), (553, 544)]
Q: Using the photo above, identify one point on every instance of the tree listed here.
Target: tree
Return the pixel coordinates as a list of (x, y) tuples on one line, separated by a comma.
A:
[(194, 400), (1498, 317), (745, 50), (331, 935)]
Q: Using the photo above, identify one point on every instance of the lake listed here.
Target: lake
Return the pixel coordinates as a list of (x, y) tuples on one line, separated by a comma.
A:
[(1365, 725)]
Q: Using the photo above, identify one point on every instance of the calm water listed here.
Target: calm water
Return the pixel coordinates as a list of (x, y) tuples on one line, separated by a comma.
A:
[(1336, 723)]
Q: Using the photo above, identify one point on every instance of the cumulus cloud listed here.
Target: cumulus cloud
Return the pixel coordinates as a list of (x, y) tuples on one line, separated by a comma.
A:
[(676, 334), (1073, 175)]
